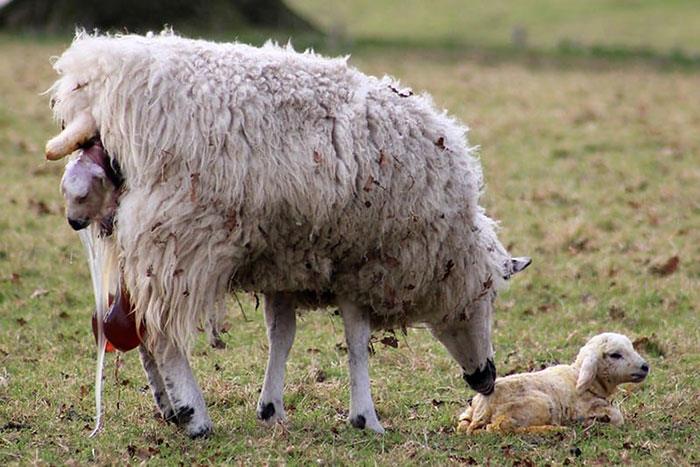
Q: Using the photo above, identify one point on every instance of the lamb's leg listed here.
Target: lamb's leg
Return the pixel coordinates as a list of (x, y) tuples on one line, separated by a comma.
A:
[(189, 409), (280, 318), (616, 417), (155, 381), (469, 343), (607, 414), (357, 334)]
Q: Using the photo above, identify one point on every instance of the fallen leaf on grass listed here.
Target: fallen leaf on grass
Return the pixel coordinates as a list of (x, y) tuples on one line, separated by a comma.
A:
[(40, 207), (143, 453), (38, 293), (667, 268), (320, 376), (649, 345), (12, 425), (616, 312), (13, 278), (463, 460), (390, 341)]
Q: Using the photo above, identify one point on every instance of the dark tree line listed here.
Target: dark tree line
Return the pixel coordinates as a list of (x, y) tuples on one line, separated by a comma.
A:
[(143, 15)]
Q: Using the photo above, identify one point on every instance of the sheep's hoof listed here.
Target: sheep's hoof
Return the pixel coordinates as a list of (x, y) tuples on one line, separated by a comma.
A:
[(269, 413), (482, 380), (371, 423), (197, 424), (200, 431)]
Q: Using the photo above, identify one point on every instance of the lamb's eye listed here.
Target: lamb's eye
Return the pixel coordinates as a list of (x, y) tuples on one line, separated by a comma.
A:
[(615, 355)]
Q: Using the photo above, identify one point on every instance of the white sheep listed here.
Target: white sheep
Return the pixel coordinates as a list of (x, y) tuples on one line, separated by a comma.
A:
[(547, 399), (288, 174)]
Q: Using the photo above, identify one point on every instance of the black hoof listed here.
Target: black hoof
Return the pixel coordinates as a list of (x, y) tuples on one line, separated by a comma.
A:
[(265, 412), (359, 422), (482, 380), (202, 432), (169, 416), (184, 415)]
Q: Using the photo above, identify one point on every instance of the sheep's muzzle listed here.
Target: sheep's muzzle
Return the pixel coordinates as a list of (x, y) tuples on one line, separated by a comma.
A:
[(483, 379)]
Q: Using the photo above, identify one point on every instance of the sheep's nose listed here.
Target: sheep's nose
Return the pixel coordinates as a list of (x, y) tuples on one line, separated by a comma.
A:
[(78, 224), (645, 368), (482, 380)]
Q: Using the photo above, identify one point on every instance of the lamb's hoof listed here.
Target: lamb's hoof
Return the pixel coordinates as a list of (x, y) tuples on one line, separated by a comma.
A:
[(482, 380), (463, 426), (370, 422), (270, 413), (466, 415)]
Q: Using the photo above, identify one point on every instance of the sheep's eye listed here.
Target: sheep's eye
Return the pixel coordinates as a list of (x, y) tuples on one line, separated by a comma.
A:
[(81, 199), (615, 355)]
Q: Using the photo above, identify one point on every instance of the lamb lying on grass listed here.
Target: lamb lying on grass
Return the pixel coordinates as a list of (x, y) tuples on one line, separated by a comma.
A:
[(544, 400)]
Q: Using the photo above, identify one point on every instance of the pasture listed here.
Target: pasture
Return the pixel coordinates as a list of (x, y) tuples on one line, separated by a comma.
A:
[(592, 165)]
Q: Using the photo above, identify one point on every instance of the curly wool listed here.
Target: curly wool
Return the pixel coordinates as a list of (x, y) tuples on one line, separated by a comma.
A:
[(268, 170)]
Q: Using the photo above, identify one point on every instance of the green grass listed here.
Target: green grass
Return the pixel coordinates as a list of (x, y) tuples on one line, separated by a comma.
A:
[(593, 171), (653, 25)]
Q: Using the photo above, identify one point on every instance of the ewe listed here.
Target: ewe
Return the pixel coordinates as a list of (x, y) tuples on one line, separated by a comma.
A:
[(287, 174)]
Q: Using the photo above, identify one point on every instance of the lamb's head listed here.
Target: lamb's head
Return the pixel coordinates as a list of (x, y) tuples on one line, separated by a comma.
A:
[(90, 186), (608, 360)]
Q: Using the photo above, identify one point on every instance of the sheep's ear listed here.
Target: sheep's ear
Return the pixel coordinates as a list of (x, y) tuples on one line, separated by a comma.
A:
[(587, 372), (515, 265)]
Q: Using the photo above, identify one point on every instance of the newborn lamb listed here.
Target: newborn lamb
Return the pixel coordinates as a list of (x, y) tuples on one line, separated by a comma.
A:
[(91, 185), (546, 399)]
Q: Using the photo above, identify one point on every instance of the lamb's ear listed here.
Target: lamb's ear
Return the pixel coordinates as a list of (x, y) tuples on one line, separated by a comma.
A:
[(515, 265), (588, 370)]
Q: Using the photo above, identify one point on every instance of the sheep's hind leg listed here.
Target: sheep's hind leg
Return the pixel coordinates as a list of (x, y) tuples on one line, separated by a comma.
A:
[(155, 381), (357, 334), (280, 318), (189, 409)]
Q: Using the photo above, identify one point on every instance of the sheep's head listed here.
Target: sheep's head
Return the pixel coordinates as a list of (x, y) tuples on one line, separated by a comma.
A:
[(89, 186), (608, 360)]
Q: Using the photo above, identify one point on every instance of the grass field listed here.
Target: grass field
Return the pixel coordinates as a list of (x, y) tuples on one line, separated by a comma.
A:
[(593, 167)]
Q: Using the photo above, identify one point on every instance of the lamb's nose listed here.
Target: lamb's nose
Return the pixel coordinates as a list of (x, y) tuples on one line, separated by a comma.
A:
[(78, 224), (645, 368)]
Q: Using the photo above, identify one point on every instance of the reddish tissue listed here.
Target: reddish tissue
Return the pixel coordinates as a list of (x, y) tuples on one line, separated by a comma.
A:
[(119, 324)]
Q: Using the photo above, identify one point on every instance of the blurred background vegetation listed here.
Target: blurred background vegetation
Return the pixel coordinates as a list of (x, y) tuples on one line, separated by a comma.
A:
[(661, 31)]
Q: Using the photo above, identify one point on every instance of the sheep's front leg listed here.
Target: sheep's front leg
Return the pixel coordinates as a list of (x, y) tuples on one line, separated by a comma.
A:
[(155, 381), (188, 407), (357, 334), (280, 318), (469, 343)]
